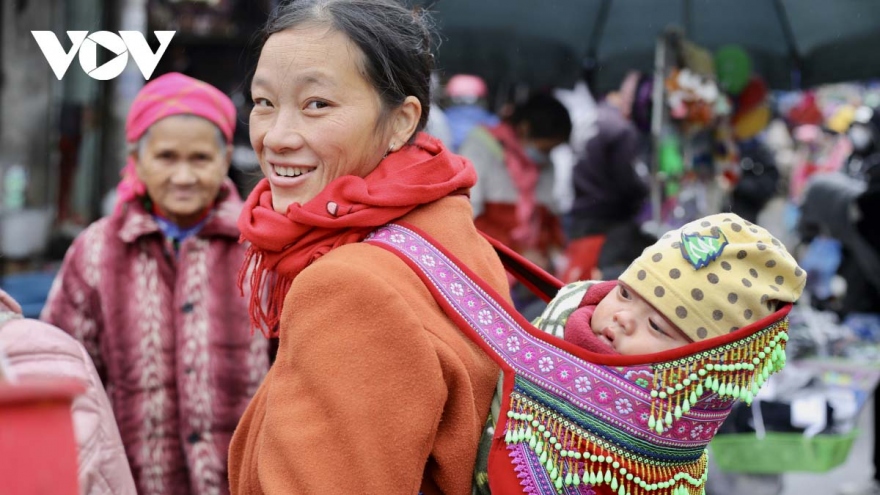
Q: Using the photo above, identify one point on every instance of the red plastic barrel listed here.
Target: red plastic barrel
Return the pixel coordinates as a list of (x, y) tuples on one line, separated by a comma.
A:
[(37, 445)]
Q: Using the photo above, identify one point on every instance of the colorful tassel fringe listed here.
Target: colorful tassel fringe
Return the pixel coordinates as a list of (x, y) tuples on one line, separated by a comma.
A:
[(572, 456)]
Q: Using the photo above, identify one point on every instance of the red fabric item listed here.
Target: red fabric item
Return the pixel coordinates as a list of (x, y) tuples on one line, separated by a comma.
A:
[(345, 211), (524, 173), (753, 96), (167, 95), (578, 330), (806, 112), (498, 220), (583, 256)]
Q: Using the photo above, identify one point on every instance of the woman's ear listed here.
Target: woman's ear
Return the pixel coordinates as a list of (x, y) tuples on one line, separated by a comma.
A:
[(405, 121)]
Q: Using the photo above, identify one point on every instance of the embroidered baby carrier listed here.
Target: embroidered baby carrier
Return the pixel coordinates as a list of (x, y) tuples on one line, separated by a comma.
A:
[(577, 422)]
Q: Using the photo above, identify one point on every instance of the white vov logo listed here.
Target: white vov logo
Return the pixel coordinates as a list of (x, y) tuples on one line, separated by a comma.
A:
[(123, 44)]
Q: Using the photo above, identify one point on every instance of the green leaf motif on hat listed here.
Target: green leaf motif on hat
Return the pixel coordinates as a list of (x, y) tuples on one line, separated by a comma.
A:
[(700, 250)]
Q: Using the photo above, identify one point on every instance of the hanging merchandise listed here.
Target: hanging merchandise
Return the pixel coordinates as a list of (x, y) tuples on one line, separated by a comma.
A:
[(723, 106), (691, 98), (671, 163), (749, 124), (753, 95), (697, 58), (806, 112), (841, 119), (733, 67)]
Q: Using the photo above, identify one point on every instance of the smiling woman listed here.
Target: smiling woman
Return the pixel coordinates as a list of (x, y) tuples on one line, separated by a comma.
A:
[(310, 126), (370, 370)]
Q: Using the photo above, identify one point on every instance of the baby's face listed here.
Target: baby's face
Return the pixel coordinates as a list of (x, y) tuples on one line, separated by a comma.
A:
[(630, 325)]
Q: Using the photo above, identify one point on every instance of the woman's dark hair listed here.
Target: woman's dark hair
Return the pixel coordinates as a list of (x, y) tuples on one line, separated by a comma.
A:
[(395, 41), (547, 117)]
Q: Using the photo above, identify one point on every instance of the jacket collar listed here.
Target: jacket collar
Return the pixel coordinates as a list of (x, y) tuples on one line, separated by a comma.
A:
[(136, 222)]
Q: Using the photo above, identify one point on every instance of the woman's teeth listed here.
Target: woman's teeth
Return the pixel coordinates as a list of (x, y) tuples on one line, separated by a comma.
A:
[(290, 171)]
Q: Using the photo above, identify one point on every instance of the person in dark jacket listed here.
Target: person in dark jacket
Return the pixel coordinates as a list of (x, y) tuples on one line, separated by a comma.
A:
[(758, 180), (609, 190)]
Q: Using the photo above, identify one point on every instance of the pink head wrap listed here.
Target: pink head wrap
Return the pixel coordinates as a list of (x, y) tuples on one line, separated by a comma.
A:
[(167, 95)]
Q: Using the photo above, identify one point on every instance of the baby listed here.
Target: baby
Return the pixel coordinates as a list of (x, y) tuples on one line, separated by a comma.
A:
[(708, 278), (711, 278)]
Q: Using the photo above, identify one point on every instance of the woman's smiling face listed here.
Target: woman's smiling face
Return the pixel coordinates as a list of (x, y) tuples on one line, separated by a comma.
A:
[(316, 117)]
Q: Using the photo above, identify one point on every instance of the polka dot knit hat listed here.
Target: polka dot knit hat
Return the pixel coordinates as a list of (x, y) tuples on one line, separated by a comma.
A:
[(716, 275)]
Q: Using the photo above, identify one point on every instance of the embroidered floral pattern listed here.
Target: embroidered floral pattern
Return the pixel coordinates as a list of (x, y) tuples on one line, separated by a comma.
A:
[(472, 303), (456, 289), (545, 364), (484, 317), (564, 374), (583, 385), (428, 260), (641, 377), (443, 274), (513, 343), (603, 395), (682, 430), (529, 355), (623, 406)]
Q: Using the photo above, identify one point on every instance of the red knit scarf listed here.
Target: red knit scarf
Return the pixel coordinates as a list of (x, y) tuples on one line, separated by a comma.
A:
[(345, 211), (578, 330), (524, 173)]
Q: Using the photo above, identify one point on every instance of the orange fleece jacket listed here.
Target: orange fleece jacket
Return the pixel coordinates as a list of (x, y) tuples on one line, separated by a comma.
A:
[(375, 390)]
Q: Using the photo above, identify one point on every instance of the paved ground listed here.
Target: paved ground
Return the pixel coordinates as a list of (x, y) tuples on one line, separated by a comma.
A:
[(858, 468)]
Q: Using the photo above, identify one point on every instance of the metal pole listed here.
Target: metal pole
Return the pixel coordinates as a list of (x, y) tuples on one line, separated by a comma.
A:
[(657, 117), (794, 53), (590, 63)]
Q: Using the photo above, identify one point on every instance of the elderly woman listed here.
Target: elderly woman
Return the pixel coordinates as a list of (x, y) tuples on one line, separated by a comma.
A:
[(375, 389), (150, 292)]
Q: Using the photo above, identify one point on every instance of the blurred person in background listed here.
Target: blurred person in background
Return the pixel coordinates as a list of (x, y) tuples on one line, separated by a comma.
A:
[(513, 200), (758, 180), (438, 124), (31, 349), (467, 107), (151, 292), (610, 190), (864, 135)]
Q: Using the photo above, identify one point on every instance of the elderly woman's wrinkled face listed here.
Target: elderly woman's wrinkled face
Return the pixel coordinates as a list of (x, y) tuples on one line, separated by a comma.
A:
[(183, 164), (316, 117)]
